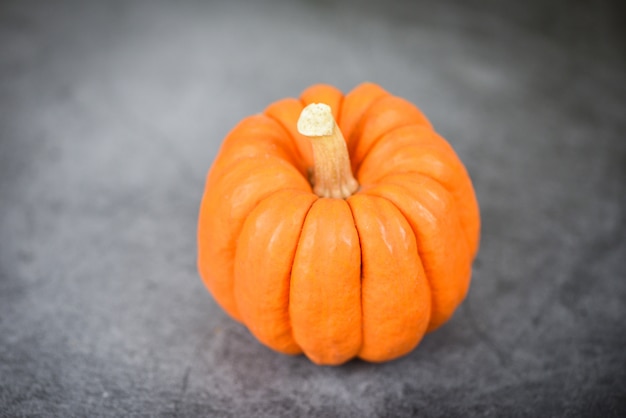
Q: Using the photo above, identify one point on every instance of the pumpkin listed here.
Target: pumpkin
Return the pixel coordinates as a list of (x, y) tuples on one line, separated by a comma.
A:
[(338, 226)]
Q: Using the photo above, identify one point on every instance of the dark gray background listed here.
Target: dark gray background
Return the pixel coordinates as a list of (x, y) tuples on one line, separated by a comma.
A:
[(112, 112)]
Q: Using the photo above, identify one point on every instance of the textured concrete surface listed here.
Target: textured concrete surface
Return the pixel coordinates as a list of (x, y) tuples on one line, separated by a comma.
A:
[(111, 114)]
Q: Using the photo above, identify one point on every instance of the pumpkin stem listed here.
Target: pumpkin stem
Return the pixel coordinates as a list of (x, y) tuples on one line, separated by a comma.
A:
[(332, 175)]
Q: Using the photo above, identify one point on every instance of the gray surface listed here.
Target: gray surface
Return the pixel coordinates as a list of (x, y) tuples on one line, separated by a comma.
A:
[(111, 114)]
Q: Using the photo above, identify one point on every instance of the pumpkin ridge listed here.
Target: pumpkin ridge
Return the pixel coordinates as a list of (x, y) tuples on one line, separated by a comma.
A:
[(222, 287), (292, 150), (358, 234), (286, 131), (291, 160), (268, 159), (453, 196), (433, 140), (418, 243), (295, 250), (381, 94), (368, 207), (454, 188), (440, 146), (354, 139), (357, 163), (323, 290), (269, 195), (456, 179), (245, 133), (301, 157), (288, 284), (237, 237)]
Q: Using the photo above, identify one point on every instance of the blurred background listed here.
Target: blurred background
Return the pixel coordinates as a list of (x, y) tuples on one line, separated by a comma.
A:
[(111, 114)]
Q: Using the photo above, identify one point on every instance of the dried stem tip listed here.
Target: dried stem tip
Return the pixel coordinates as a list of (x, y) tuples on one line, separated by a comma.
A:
[(316, 120)]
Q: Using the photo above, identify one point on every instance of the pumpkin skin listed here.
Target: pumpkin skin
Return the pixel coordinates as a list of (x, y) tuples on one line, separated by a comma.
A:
[(335, 279)]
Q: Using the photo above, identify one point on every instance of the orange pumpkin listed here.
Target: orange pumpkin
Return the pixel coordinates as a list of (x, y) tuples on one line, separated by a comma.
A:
[(338, 248)]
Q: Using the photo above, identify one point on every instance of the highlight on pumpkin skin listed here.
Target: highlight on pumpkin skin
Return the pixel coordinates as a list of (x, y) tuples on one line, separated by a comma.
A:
[(332, 172)]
